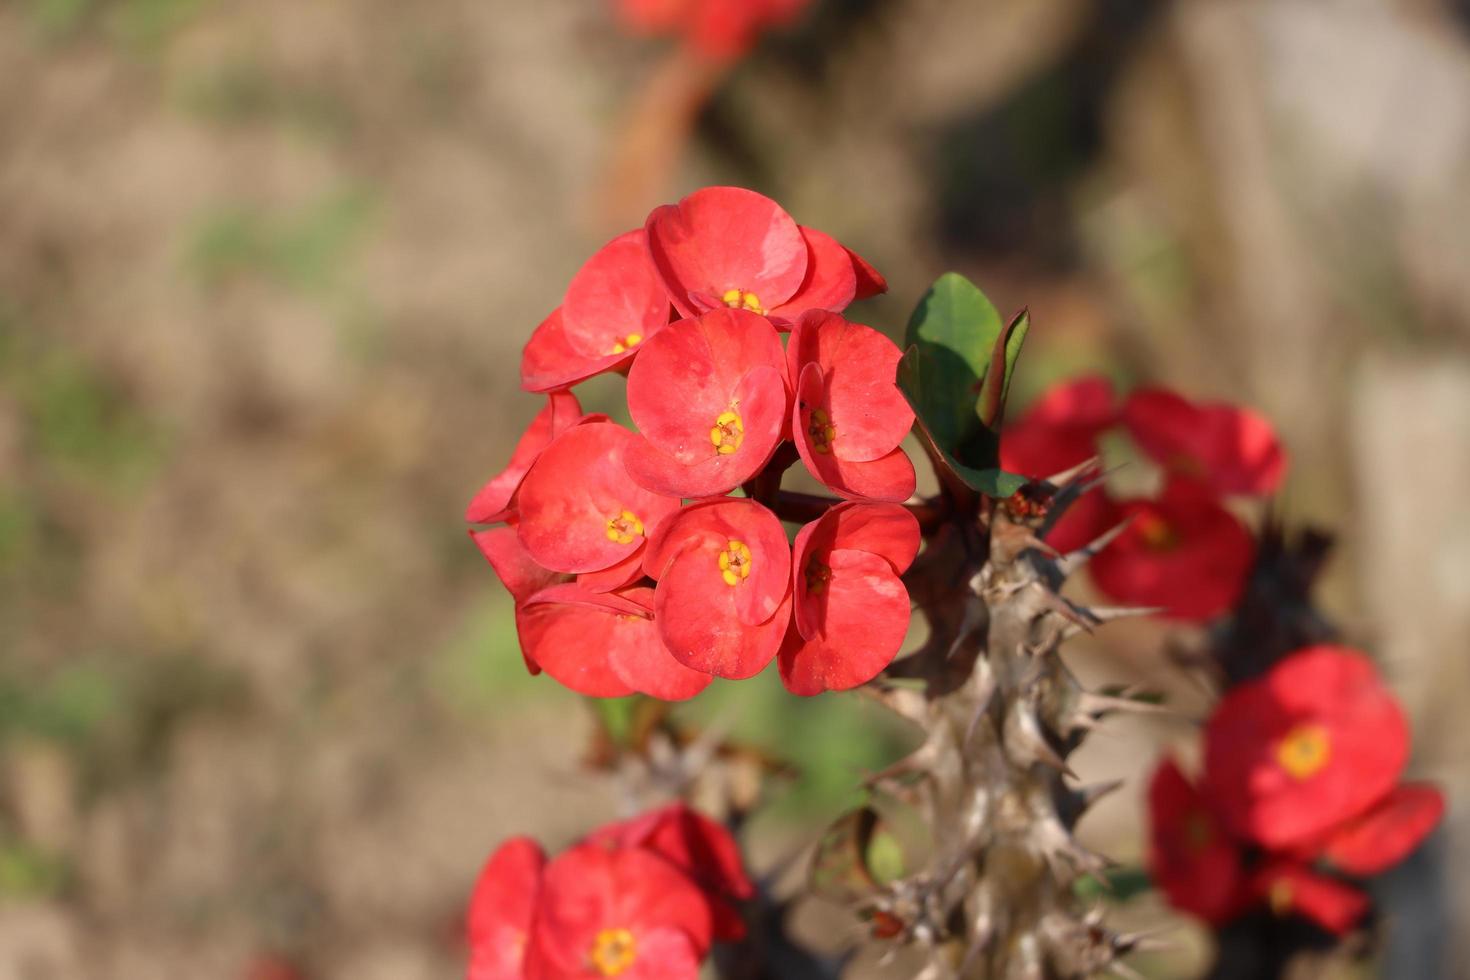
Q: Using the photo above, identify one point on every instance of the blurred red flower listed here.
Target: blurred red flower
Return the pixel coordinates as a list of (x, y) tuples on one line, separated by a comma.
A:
[(849, 416), (1192, 858), (851, 610), (1315, 742), (502, 906), (1232, 449), (1061, 429)]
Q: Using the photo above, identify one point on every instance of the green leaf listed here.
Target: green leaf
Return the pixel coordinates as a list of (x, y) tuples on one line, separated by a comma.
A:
[(953, 329), (997, 384), (990, 480)]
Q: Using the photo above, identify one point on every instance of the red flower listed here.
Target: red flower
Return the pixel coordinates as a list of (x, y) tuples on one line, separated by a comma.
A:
[(614, 303), (1381, 838), (501, 910), (1315, 742), (1234, 450), (722, 30), (1290, 888), (1183, 552), (702, 849), (1191, 857), (727, 246), (603, 645), (580, 511), (709, 396), (851, 607), (623, 912), (724, 586), (1060, 429), (849, 416), (493, 503)]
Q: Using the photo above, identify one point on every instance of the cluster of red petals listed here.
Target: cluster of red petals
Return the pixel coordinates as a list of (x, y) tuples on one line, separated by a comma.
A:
[(632, 567), (640, 899), (1183, 551), (720, 30), (1300, 791)]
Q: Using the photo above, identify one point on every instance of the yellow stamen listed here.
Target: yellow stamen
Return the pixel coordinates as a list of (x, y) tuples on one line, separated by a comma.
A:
[(728, 433), (735, 562), (625, 344), (739, 299), (1280, 896), (613, 951), (1304, 751), (624, 527), (821, 431), (1197, 832), (1157, 534), (818, 574)]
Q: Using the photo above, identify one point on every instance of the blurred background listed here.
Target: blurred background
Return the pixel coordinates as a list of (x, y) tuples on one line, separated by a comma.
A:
[(265, 271)]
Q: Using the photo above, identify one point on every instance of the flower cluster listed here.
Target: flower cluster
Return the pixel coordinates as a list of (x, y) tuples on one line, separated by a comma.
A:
[(1300, 790), (1181, 550), (720, 30), (641, 898), (633, 567)]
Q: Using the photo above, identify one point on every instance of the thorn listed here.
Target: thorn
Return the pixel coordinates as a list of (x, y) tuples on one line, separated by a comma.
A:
[(1068, 475), (1071, 562), (1089, 795), (1097, 705), (1027, 744), (1081, 618), (1107, 614), (1146, 941)]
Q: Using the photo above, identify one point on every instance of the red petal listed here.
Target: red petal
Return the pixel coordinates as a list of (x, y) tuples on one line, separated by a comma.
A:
[(858, 365), (1388, 833), (701, 532), (696, 469), (616, 294), (1290, 889), (570, 641), (1335, 688), (1191, 858), (723, 238), (575, 488), (1233, 449), (885, 530), (830, 284), (870, 281), (614, 577), (861, 619), (521, 576), (637, 654), (492, 503), (702, 630), (890, 477), (1061, 429), (549, 361), (501, 909), (664, 954)]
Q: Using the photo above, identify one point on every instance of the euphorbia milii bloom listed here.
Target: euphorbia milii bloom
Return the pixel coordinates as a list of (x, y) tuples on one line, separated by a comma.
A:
[(617, 912), (702, 849), (1061, 429), (498, 924), (849, 417), (603, 644), (724, 586), (709, 397), (1315, 742), (851, 610), (493, 503), (614, 303), (1191, 857), (728, 246), (1232, 449), (1183, 552), (580, 511)]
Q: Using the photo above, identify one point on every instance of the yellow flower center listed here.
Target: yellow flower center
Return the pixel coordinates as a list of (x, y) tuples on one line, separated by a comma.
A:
[(623, 527), (821, 431), (1280, 896), (817, 574), (613, 951), (1197, 832), (728, 433), (735, 562), (624, 344), (1304, 751), (739, 299), (1156, 532)]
